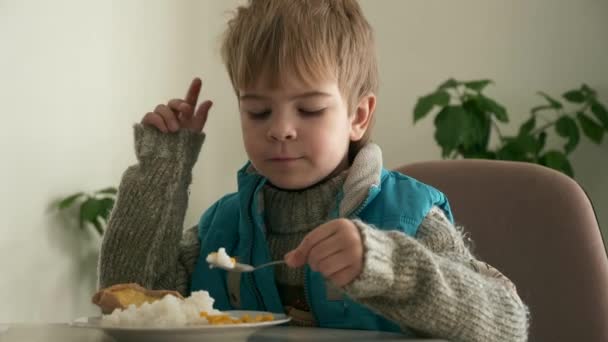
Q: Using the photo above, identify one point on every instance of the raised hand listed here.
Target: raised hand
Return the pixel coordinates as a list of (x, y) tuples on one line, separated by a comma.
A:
[(180, 113)]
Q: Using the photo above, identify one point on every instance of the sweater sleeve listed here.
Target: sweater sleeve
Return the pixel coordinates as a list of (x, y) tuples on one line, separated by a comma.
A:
[(144, 241), (433, 285)]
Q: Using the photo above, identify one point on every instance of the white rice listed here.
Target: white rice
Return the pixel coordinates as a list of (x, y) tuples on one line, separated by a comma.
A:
[(170, 311), (221, 258)]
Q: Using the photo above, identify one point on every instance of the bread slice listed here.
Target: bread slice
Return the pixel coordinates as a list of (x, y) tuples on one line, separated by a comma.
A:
[(120, 296)]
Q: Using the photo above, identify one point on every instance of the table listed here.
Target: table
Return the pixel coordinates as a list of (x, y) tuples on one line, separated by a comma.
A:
[(62, 332)]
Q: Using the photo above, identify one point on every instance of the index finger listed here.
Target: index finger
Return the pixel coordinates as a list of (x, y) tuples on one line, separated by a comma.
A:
[(313, 238), (195, 89)]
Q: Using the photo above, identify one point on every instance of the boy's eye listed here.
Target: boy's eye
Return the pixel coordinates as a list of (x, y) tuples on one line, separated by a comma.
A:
[(259, 115), (314, 112)]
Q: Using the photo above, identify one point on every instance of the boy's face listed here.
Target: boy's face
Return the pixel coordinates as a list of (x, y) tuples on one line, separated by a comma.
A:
[(297, 134)]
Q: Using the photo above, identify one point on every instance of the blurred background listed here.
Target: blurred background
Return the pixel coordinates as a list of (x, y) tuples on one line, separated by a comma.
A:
[(75, 75)]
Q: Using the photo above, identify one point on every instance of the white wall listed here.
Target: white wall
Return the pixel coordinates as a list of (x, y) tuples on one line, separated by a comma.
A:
[(75, 75), (524, 46)]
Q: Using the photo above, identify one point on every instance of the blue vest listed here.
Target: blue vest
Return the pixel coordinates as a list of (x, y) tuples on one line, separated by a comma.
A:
[(236, 223)]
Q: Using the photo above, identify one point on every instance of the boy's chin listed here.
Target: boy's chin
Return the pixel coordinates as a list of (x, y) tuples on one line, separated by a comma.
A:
[(292, 184)]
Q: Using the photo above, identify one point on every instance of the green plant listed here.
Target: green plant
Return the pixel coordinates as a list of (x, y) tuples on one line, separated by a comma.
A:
[(94, 208), (466, 118)]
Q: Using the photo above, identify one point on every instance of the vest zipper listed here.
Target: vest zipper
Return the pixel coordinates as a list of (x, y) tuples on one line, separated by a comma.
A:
[(306, 296), (359, 209), (256, 291), (258, 295)]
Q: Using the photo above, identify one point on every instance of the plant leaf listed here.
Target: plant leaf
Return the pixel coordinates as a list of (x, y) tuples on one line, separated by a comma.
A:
[(481, 155), (426, 103), (557, 161), (89, 210), (537, 109), (478, 85), (478, 135), (449, 83), (553, 102), (542, 139), (511, 150), (98, 227), (473, 133), (527, 143), (589, 92), (68, 201), (575, 96), (527, 126), (489, 105), (109, 190), (592, 130), (566, 127), (450, 124), (519, 148), (600, 112), (105, 207)]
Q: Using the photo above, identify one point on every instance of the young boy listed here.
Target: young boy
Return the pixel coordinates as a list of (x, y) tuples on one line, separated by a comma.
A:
[(366, 248)]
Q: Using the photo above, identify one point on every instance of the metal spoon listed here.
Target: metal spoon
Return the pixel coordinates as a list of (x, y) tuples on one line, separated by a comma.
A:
[(244, 268)]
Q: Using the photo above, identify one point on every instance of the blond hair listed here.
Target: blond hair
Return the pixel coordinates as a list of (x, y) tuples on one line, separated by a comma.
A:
[(311, 38)]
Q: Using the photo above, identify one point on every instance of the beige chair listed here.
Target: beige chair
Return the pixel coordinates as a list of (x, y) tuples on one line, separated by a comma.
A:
[(538, 227)]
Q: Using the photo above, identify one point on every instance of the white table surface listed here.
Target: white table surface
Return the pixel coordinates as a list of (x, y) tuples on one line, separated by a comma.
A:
[(63, 332)]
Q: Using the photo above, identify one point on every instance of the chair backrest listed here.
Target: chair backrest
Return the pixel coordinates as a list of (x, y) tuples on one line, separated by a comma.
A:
[(538, 227)]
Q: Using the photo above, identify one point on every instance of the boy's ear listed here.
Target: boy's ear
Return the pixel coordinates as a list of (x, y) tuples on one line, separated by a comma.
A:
[(362, 117)]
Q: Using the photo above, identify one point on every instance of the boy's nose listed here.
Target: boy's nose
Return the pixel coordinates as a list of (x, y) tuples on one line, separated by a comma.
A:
[(282, 135), (282, 130)]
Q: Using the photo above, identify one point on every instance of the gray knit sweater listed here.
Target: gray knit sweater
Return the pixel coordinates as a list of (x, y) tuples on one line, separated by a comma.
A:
[(289, 215), (431, 283)]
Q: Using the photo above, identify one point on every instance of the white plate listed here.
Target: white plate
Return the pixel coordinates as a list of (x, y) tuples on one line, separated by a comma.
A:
[(184, 333)]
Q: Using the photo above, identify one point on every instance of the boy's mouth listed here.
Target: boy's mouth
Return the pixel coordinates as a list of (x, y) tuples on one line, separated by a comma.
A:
[(284, 159)]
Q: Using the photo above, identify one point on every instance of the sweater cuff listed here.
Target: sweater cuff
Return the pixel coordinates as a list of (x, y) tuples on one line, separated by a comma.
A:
[(183, 146), (377, 276)]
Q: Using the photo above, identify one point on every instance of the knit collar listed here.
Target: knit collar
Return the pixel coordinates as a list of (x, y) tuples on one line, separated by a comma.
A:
[(363, 175), (292, 211)]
